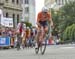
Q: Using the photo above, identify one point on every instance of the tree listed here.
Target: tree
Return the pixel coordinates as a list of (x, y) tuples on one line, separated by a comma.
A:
[(64, 20), (69, 33), (28, 24), (55, 16), (67, 16)]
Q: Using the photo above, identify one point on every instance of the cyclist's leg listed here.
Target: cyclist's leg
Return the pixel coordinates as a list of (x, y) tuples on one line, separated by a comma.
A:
[(46, 29), (41, 35), (23, 42), (18, 41), (36, 39)]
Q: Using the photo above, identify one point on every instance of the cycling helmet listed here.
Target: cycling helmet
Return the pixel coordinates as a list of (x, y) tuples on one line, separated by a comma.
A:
[(44, 9), (28, 28), (24, 26)]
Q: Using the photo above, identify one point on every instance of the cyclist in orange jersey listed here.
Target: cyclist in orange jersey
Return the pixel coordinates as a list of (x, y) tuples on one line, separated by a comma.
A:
[(43, 17)]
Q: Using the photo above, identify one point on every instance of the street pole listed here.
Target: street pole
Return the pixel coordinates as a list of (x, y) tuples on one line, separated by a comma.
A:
[(23, 10), (51, 19)]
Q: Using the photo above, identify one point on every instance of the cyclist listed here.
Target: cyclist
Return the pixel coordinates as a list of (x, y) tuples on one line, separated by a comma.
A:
[(20, 31), (42, 19)]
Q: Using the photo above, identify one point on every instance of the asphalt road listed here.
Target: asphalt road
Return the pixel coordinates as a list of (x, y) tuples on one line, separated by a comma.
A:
[(52, 52)]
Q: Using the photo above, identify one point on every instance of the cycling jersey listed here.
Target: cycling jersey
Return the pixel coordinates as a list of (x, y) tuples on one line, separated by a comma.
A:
[(20, 27), (43, 16)]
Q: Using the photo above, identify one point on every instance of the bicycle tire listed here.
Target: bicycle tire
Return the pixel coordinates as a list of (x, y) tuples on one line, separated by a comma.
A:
[(18, 46), (43, 48), (40, 47), (47, 37), (18, 41)]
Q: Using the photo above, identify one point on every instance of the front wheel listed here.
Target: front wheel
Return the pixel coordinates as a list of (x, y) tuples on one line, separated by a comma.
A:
[(43, 47), (18, 46)]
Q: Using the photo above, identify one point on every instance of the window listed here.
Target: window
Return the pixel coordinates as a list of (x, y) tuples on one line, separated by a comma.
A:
[(13, 19), (13, 16), (27, 10), (26, 1), (17, 18), (6, 0), (17, 1), (64, 1), (0, 19), (56, 1), (7, 14), (13, 1), (59, 2)]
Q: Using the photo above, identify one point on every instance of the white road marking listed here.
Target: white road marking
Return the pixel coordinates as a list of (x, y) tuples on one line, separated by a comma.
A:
[(66, 47)]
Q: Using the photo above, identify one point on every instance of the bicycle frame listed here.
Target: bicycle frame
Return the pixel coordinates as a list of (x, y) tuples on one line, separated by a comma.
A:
[(45, 39)]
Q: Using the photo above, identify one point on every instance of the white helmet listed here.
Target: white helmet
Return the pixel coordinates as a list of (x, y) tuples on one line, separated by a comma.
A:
[(27, 27), (24, 26), (44, 9)]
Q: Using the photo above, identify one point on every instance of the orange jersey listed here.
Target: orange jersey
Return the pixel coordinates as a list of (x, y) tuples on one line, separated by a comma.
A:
[(28, 33), (43, 16)]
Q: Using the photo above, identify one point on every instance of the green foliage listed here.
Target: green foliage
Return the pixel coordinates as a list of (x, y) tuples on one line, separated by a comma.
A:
[(67, 16), (64, 20), (28, 24), (69, 33), (55, 17)]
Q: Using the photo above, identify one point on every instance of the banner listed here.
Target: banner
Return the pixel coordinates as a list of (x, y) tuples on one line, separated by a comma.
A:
[(4, 41), (7, 22)]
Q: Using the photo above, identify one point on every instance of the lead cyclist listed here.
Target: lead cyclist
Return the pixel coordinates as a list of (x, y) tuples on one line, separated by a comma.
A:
[(43, 17)]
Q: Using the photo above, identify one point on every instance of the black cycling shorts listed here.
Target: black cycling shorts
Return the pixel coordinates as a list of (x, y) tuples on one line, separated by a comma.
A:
[(43, 23)]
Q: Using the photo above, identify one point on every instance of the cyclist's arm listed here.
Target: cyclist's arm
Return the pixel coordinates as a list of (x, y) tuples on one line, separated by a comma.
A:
[(38, 19), (51, 22)]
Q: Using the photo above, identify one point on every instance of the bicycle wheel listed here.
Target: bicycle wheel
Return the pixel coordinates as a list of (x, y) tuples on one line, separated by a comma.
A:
[(18, 43), (23, 46), (43, 47), (18, 46)]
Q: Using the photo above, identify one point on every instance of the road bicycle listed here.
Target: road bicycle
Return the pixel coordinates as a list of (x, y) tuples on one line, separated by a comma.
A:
[(41, 45)]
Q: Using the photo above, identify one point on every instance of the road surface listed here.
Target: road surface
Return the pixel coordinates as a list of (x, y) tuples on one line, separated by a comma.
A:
[(52, 52)]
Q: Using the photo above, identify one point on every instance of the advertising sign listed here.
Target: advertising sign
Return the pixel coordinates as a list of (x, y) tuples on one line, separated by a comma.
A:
[(4, 41), (7, 22)]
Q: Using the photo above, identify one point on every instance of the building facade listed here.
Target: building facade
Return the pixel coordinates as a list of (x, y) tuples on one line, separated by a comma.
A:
[(18, 10), (28, 13), (12, 9), (56, 4)]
